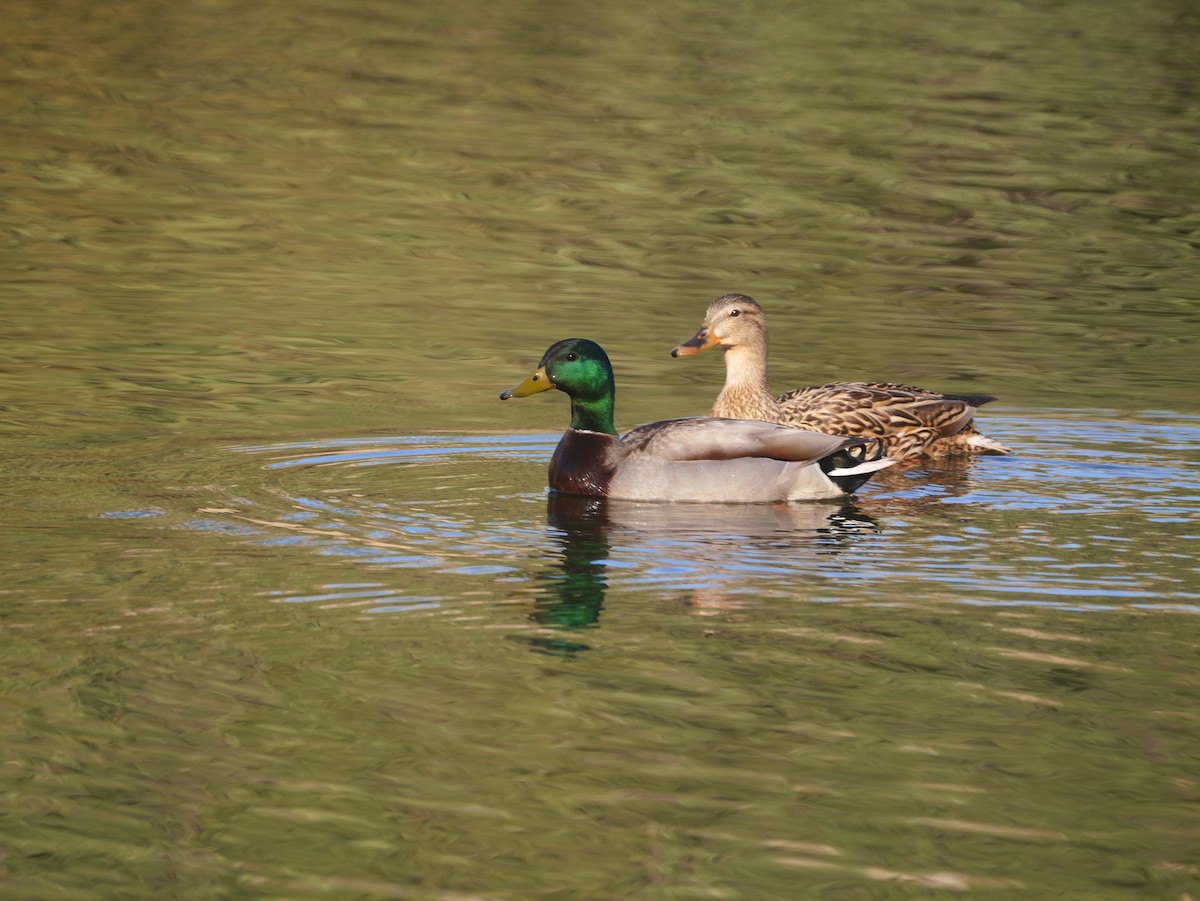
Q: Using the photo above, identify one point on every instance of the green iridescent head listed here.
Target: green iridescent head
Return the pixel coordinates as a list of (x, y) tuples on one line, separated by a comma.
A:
[(579, 368)]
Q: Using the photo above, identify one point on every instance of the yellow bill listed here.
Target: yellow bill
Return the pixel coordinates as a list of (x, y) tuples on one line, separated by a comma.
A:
[(539, 381)]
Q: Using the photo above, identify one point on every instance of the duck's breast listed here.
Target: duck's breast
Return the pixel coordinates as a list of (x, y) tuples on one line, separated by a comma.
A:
[(584, 463)]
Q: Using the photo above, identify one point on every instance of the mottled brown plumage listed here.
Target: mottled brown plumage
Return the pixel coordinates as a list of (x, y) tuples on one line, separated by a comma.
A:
[(911, 422)]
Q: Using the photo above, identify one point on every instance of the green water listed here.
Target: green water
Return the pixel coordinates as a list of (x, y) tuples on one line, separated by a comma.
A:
[(287, 613)]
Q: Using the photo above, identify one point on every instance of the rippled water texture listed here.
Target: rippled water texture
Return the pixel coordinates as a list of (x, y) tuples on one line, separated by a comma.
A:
[(288, 612)]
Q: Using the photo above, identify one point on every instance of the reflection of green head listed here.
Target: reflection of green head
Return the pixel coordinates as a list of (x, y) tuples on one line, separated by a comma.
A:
[(574, 588), (580, 368)]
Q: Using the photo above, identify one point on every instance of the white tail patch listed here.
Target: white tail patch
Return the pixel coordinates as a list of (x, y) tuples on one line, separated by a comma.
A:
[(871, 466), (988, 445)]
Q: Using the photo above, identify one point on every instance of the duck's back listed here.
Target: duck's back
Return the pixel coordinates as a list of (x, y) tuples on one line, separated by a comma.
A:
[(909, 420), (725, 460)]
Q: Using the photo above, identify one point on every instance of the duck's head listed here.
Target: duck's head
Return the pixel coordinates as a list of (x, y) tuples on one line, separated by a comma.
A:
[(730, 320), (576, 366)]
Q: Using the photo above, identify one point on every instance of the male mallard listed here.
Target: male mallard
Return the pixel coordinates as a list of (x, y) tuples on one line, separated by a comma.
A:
[(720, 460), (911, 422)]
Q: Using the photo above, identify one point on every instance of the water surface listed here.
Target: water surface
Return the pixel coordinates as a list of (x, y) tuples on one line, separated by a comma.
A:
[(288, 612)]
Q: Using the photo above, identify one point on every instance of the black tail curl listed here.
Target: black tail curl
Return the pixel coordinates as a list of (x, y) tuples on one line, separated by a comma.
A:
[(863, 450)]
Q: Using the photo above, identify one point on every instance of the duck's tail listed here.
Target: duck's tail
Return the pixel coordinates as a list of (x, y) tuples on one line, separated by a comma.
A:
[(852, 465), (982, 444)]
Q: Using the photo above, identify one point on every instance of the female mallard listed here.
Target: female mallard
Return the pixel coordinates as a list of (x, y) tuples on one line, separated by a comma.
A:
[(720, 460), (911, 422)]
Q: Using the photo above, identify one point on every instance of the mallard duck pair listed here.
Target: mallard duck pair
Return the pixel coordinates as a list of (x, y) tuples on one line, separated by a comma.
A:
[(715, 460), (756, 448)]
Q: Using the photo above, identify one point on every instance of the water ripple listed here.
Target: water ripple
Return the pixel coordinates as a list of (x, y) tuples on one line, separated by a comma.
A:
[(1095, 514)]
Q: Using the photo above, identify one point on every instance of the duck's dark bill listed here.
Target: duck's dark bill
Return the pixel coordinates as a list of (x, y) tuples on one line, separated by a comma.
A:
[(539, 381), (702, 340)]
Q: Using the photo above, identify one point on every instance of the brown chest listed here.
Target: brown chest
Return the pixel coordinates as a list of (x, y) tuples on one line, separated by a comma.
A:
[(584, 463)]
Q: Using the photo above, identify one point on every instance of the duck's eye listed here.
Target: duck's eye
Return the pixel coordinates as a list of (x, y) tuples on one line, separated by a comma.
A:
[(572, 356), (733, 313)]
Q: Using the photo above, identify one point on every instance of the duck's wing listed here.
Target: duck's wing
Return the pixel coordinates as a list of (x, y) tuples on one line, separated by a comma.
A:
[(682, 440), (740, 461), (862, 408)]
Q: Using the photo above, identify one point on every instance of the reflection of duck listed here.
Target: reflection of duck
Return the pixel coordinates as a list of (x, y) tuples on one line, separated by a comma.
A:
[(925, 488), (712, 564), (718, 460), (574, 589), (911, 422), (714, 557), (743, 527)]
